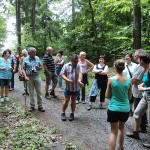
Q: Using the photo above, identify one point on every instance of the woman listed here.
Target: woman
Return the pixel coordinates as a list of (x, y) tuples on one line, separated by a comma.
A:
[(100, 70), (86, 66), (128, 72), (119, 92), (59, 61), (24, 54), (5, 75)]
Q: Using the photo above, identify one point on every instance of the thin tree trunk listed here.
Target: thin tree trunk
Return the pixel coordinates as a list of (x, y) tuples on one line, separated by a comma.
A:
[(18, 24), (137, 25), (94, 31), (33, 19)]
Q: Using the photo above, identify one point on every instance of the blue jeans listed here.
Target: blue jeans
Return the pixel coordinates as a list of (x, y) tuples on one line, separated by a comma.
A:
[(58, 70)]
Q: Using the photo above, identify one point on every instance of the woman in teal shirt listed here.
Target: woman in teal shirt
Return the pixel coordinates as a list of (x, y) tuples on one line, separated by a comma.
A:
[(119, 92), (5, 74)]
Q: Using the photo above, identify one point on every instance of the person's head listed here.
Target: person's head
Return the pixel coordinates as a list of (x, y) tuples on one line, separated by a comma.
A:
[(82, 55), (6, 53), (119, 65), (101, 59), (136, 55), (59, 53), (144, 58), (49, 50), (24, 52), (74, 59), (128, 57), (32, 52)]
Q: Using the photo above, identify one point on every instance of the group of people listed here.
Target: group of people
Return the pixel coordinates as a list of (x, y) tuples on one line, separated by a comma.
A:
[(130, 85)]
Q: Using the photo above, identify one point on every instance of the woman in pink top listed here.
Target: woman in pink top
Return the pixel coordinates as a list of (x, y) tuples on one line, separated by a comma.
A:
[(86, 66)]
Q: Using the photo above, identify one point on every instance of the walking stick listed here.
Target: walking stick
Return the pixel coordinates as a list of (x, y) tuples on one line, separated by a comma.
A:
[(25, 95)]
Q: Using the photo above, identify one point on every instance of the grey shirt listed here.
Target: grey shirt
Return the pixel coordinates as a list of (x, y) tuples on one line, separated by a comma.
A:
[(138, 74)]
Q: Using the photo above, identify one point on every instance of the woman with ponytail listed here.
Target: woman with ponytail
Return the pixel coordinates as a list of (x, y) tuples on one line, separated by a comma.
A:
[(119, 92)]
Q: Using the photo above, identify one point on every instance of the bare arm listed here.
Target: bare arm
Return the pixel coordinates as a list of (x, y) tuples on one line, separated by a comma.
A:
[(105, 71), (45, 68), (91, 65), (109, 90), (142, 88), (130, 92)]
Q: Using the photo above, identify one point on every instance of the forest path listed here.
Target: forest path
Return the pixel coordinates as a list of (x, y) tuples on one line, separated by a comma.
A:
[(90, 129)]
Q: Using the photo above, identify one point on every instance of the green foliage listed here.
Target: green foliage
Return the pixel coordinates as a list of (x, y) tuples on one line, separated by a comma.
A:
[(2, 30)]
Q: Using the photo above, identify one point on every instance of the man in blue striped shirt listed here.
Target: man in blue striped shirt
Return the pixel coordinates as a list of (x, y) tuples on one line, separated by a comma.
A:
[(49, 71)]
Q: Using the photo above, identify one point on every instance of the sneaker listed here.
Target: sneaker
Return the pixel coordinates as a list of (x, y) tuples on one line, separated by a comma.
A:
[(146, 144), (59, 89), (71, 118), (133, 134), (31, 109), (83, 102), (143, 130), (120, 149), (6, 99), (11, 89), (89, 107), (101, 106), (63, 117), (2, 100), (77, 101), (53, 94), (47, 96), (41, 109)]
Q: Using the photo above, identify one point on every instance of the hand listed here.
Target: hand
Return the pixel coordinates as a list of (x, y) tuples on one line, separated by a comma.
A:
[(70, 81), (26, 78), (140, 87), (3, 68), (81, 84), (38, 67), (14, 70)]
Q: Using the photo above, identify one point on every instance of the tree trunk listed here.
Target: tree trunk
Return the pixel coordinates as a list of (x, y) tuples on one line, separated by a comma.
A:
[(33, 19), (26, 10), (18, 24), (137, 25), (73, 26), (93, 28)]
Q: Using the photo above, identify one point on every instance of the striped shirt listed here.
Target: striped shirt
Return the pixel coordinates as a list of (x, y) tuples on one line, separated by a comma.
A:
[(72, 73), (29, 65), (48, 60), (5, 74)]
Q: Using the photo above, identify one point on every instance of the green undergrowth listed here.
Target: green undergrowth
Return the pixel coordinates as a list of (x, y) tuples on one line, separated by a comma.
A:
[(19, 130)]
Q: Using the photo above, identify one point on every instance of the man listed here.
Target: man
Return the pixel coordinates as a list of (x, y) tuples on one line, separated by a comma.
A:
[(137, 95), (49, 71), (71, 73), (31, 71), (144, 102), (13, 65), (128, 72)]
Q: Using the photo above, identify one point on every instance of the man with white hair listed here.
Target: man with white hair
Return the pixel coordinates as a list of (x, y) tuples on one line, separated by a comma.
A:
[(31, 70), (49, 71)]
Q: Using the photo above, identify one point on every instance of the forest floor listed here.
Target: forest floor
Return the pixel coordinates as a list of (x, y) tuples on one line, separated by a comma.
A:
[(89, 131)]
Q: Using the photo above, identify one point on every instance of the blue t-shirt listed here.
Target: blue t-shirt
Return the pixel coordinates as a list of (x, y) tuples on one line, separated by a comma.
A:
[(146, 82), (119, 100), (5, 74)]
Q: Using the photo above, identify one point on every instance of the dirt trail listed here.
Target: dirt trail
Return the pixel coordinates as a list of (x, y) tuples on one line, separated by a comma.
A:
[(90, 129)]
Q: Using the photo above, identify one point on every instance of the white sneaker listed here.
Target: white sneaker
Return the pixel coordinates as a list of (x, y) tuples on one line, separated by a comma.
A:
[(2, 100), (6, 99), (59, 90)]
